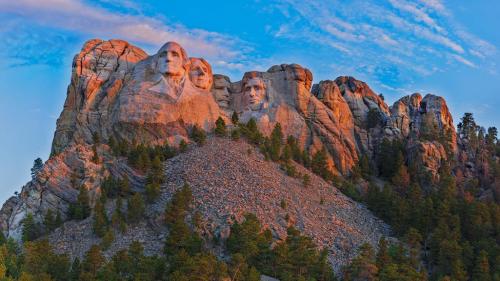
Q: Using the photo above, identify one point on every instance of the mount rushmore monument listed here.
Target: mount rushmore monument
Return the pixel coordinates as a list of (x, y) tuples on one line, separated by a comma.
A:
[(118, 91)]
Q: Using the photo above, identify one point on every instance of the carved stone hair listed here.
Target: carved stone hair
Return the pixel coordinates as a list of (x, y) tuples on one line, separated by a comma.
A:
[(250, 75)]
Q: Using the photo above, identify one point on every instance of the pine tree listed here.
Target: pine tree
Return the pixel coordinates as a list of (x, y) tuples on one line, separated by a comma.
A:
[(251, 131), (94, 261), (306, 180), (319, 165), (124, 186), (135, 208), (75, 271), (49, 220), (364, 166), (183, 145), (402, 177), (383, 257), (37, 167), (96, 138), (235, 134), (100, 223), (107, 239), (374, 118), (30, 229), (81, 209), (414, 240), (58, 221), (95, 155), (362, 267), (153, 191), (234, 118), (482, 268), (118, 218), (220, 127), (179, 205), (276, 141), (198, 135)]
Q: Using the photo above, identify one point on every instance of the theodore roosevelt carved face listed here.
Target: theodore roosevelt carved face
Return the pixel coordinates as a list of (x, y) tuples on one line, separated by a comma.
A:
[(200, 73), (254, 93), (172, 60)]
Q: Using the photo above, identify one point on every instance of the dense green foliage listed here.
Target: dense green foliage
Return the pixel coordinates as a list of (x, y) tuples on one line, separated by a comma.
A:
[(296, 258), (141, 156), (450, 232), (275, 148)]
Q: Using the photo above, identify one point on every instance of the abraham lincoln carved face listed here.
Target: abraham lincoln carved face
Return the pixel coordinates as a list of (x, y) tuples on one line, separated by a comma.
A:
[(172, 60), (254, 93)]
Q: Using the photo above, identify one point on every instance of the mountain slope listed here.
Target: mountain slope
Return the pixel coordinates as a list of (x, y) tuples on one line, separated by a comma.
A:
[(229, 178)]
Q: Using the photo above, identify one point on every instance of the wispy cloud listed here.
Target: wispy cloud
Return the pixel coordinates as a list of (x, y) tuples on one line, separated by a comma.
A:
[(418, 13), (94, 20), (463, 60), (435, 5), (386, 38)]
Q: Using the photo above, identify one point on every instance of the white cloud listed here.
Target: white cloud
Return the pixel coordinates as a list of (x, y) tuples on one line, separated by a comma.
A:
[(78, 16), (436, 5), (419, 14), (347, 36), (463, 60)]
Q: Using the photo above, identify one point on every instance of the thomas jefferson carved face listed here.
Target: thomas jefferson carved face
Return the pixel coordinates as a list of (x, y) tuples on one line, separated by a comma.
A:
[(172, 60), (200, 73), (254, 93)]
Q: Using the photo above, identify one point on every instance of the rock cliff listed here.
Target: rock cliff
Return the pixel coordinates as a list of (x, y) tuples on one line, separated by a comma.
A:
[(119, 92)]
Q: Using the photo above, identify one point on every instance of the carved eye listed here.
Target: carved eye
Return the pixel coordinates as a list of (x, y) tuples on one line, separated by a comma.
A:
[(175, 54)]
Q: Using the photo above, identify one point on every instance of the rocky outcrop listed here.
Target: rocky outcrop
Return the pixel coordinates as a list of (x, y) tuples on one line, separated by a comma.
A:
[(427, 125), (286, 99), (99, 72), (119, 91), (57, 184), (427, 158), (353, 101), (360, 98), (228, 179)]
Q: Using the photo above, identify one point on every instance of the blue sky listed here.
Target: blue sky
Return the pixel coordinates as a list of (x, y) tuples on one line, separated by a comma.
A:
[(449, 48)]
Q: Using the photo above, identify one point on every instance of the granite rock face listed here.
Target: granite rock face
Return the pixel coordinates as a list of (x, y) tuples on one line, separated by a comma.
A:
[(119, 91), (99, 72), (427, 124), (286, 99)]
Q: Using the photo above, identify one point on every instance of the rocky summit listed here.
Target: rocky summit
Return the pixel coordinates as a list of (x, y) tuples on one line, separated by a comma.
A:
[(118, 92)]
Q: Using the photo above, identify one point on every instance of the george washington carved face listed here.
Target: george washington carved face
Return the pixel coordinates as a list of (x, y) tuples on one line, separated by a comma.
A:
[(172, 60), (254, 93), (200, 73)]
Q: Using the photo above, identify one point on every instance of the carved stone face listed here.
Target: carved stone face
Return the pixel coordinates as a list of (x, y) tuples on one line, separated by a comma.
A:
[(221, 90), (254, 93), (200, 74), (172, 60)]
